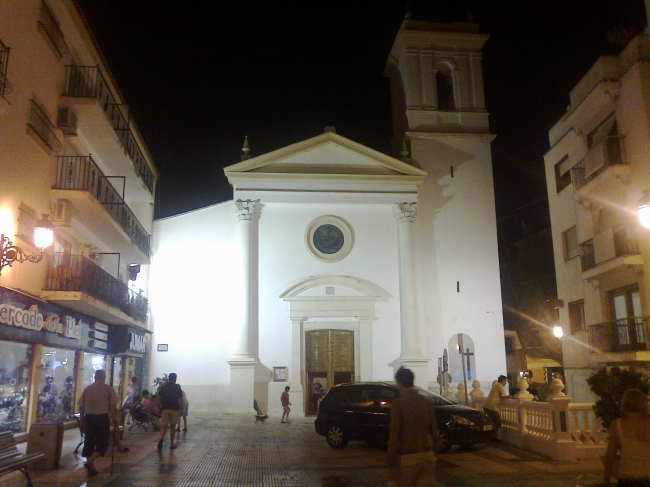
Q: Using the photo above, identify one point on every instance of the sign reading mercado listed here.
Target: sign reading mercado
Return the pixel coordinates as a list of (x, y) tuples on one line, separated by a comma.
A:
[(31, 319)]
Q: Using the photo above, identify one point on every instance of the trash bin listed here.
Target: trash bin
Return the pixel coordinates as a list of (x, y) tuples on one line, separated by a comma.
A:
[(46, 438)]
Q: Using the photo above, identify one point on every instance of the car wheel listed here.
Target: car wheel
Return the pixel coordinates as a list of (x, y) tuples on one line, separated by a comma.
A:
[(335, 436), (444, 440)]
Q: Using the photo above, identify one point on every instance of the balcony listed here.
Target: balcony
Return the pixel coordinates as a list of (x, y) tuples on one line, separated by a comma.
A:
[(49, 27), (5, 85), (626, 335), (601, 171), (43, 129), (608, 252), (106, 125), (76, 282), (100, 208)]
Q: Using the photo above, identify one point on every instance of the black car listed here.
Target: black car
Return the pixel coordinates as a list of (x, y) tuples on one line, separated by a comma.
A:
[(361, 411)]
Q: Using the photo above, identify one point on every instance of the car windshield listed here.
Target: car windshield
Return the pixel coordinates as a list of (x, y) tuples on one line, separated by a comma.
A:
[(436, 398)]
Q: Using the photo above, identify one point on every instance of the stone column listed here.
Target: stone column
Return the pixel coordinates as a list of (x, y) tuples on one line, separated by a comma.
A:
[(295, 372), (411, 355), (243, 361)]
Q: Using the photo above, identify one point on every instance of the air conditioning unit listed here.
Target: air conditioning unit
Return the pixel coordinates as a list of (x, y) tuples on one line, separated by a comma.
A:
[(63, 212), (67, 121)]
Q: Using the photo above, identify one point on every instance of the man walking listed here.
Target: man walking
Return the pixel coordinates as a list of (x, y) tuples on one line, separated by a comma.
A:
[(494, 400), (413, 435), (171, 404), (284, 399), (97, 406)]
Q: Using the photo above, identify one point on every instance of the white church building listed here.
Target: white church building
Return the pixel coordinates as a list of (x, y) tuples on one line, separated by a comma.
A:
[(336, 263)]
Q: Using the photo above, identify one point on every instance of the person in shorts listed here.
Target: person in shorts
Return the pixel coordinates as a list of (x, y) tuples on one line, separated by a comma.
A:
[(284, 399), (171, 404)]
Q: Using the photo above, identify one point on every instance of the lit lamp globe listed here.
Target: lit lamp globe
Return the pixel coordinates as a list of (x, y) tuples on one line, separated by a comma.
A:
[(558, 331), (43, 233), (644, 210)]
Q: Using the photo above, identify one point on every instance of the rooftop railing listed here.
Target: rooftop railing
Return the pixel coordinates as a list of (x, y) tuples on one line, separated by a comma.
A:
[(5, 85), (88, 82), (627, 334), (81, 173), (603, 155), (42, 126), (67, 272)]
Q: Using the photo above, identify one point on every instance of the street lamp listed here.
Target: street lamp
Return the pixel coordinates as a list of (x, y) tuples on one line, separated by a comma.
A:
[(558, 332), (644, 209), (43, 238)]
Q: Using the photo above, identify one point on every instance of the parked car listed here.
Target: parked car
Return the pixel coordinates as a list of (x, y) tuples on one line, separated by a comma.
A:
[(361, 411)]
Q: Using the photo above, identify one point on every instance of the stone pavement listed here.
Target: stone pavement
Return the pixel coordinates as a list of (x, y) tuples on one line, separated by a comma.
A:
[(229, 450)]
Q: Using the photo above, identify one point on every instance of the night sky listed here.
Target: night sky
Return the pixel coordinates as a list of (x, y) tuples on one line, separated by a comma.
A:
[(201, 75)]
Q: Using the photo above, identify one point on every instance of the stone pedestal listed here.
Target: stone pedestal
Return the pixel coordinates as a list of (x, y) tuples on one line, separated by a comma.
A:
[(419, 369), (242, 387)]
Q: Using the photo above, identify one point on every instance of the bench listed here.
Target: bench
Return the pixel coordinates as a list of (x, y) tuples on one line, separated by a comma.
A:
[(11, 459)]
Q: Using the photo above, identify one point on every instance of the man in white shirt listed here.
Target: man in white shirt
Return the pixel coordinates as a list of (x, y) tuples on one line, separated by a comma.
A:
[(97, 407)]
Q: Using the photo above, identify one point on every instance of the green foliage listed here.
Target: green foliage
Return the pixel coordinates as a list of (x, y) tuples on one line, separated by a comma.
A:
[(610, 386), (160, 381)]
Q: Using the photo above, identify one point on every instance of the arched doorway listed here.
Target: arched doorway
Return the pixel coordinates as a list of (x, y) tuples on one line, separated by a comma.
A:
[(331, 338)]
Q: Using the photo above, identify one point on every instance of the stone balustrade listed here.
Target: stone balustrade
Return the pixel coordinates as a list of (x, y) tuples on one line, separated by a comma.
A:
[(556, 428)]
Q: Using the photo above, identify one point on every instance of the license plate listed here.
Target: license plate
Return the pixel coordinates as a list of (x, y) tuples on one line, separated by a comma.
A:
[(487, 427)]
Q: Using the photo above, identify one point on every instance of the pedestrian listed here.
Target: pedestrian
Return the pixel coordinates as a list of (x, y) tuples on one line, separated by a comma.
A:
[(184, 412), (494, 400), (171, 404), (129, 401), (284, 399), (97, 406), (413, 435)]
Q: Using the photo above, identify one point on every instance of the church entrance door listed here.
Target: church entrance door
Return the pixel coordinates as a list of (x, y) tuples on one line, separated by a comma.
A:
[(329, 360)]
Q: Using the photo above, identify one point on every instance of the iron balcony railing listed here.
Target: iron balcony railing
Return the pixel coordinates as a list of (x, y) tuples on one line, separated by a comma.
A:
[(614, 242), (50, 27), (5, 85), (608, 153), (81, 173), (88, 82), (627, 334), (67, 272), (42, 126)]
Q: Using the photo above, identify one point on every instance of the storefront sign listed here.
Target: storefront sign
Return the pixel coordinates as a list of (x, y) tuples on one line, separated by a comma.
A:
[(136, 342), (31, 319)]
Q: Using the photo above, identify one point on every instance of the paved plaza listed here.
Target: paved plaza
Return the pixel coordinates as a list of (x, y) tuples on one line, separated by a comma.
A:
[(229, 450)]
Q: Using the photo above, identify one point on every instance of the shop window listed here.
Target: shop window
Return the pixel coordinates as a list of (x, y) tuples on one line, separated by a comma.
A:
[(14, 385), (56, 385), (570, 243), (577, 315), (92, 363), (562, 174)]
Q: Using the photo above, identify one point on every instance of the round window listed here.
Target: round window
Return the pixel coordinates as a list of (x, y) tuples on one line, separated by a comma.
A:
[(329, 238)]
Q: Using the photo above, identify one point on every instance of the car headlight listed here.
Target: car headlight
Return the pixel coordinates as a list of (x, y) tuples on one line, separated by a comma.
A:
[(461, 420)]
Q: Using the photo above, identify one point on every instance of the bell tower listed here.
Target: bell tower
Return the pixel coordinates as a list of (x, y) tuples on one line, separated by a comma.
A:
[(438, 108)]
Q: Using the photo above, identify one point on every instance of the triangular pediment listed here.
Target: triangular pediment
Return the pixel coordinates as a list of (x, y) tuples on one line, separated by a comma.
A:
[(326, 157)]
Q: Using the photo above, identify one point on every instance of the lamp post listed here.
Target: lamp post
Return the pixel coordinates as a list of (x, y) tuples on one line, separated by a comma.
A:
[(43, 238)]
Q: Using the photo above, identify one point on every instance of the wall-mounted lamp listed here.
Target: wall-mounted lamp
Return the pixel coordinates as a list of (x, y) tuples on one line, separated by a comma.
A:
[(558, 331), (644, 209), (43, 238)]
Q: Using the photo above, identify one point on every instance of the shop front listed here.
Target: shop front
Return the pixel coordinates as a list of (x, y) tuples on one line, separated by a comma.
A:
[(128, 347), (48, 354)]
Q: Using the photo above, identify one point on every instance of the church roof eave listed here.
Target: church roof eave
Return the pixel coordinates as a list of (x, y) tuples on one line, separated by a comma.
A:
[(347, 179)]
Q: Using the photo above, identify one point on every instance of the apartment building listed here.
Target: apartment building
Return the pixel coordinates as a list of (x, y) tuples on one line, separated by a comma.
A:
[(596, 171), (69, 149)]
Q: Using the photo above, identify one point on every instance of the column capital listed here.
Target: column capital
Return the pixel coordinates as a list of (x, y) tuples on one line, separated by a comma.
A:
[(246, 209), (406, 212)]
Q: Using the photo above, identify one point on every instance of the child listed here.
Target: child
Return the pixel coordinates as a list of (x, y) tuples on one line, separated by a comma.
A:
[(284, 399)]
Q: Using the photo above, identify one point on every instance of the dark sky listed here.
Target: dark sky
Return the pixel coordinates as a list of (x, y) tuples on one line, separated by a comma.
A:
[(200, 75)]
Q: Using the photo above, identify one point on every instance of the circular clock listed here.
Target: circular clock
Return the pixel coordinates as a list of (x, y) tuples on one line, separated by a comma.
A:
[(329, 238)]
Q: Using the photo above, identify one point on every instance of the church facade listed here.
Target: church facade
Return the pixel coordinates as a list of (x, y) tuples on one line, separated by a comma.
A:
[(336, 263)]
